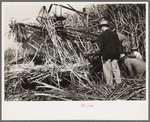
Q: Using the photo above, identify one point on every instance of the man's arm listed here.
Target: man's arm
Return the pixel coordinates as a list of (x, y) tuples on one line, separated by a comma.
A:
[(128, 64), (132, 56), (94, 40), (101, 44)]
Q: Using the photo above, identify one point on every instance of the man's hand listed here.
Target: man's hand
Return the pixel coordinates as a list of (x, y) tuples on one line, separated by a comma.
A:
[(87, 54), (131, 56)]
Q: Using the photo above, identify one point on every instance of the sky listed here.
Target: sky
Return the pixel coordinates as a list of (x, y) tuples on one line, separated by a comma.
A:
[(27, 12), (21, 11)]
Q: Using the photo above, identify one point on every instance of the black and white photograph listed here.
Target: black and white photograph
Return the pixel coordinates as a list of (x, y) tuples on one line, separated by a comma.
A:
[(80, 52)]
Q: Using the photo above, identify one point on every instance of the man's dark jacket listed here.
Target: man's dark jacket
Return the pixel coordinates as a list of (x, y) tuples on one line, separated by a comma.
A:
[(109, 44)]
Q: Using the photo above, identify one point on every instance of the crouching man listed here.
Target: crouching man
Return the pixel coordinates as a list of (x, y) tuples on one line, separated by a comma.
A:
[(134, 66)]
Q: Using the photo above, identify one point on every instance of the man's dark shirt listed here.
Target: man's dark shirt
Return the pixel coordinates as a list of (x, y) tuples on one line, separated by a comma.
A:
[(109, 44)]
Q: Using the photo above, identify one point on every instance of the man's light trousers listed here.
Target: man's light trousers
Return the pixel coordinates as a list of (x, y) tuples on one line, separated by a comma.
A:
[(111, 68)]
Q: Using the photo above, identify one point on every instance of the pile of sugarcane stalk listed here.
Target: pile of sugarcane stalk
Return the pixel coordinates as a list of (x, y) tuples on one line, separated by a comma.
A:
[(94, 89), (129, 89)]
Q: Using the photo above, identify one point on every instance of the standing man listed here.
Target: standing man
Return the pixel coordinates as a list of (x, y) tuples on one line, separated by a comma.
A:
[(109, 44)]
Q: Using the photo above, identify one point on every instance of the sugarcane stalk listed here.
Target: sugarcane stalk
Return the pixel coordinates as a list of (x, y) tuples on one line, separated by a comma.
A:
[(86, 96), (108, 98), (123, 92), (135, 93)]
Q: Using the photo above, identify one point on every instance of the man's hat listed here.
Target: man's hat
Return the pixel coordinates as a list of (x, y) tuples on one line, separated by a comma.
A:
[(121, 36), (104, 23)]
